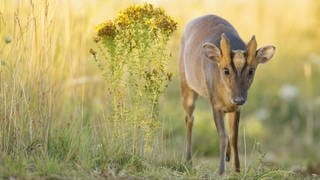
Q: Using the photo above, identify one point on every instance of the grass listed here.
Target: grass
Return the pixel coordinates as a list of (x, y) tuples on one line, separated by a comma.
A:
[(53, 102)]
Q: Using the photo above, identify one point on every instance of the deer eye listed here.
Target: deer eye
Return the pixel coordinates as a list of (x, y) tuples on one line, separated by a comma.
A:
[(251, 72), (226, 71)]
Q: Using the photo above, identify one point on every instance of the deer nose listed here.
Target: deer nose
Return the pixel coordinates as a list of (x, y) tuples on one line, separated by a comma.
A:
[(239, 100)]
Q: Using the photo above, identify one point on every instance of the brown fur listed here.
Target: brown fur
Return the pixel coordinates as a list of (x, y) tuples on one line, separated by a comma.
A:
[(215, 63)]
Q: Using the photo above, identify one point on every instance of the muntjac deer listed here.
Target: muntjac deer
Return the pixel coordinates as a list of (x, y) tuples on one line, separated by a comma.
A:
[(215, 63)]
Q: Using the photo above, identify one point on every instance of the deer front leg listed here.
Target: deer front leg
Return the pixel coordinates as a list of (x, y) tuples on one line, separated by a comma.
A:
[(233, 128), (223, 138)]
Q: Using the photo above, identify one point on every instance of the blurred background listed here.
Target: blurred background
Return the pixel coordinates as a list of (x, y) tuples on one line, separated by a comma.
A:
[(50, 82)]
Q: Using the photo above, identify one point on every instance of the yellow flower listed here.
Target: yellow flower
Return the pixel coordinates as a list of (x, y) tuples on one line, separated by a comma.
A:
[(106, 29), (153, 19)]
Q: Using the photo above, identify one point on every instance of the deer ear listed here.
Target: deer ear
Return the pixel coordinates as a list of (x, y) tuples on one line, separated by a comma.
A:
[(225, 45), (251, 49), (265, 53), (211, 51)]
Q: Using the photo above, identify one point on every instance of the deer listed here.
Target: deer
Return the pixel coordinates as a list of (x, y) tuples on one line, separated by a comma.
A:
[(215, 63)]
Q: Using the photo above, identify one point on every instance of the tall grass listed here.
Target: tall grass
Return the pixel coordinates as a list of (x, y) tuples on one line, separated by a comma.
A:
[(47, 109), (27, 78)]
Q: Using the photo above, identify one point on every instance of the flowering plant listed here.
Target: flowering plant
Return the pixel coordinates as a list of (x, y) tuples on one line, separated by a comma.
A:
[(136, 70)]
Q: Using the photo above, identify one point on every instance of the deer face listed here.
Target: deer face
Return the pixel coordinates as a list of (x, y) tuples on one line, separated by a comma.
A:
[(237, 67)]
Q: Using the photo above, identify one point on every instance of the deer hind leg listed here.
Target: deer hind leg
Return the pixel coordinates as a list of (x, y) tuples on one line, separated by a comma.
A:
[(189, 98)]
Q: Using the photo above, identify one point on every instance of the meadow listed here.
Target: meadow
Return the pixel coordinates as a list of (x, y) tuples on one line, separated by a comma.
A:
[(55, 107)]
